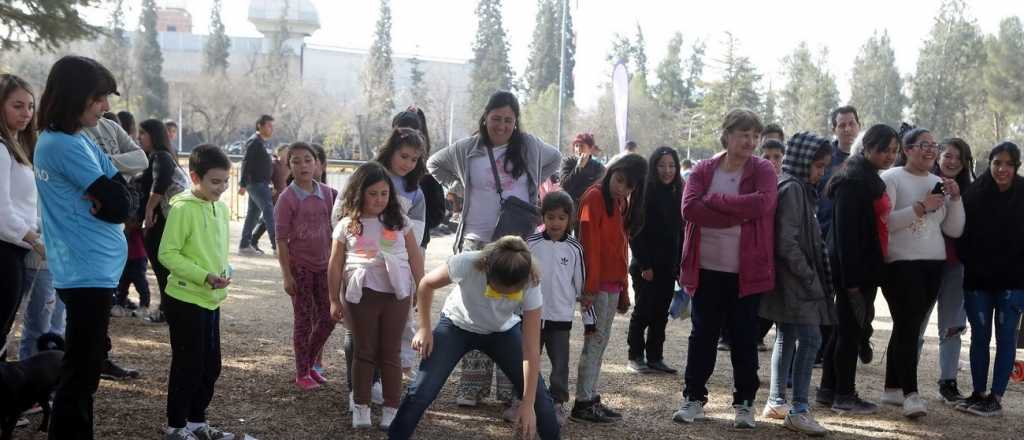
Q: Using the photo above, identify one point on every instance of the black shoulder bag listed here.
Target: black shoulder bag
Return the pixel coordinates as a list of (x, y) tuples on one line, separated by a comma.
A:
[(515, 216)]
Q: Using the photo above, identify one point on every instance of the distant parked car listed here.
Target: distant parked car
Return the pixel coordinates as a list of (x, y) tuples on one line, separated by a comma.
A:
[(234, 148)]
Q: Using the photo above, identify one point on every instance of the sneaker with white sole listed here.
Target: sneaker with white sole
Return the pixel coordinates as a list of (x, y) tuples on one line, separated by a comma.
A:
[(387, 415), (893, 396), (377, 393), (468, 401), (777, 411), (804, 423), (207, 432), (744, 416), (250, 251), (914, 406), (689, 412), (180, 434), (361, 416)]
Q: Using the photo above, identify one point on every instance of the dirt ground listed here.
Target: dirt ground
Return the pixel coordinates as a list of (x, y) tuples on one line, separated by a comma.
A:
[(255, 394)]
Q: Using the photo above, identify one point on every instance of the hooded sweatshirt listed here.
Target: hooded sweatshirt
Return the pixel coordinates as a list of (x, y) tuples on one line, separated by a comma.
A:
[(194, 245)]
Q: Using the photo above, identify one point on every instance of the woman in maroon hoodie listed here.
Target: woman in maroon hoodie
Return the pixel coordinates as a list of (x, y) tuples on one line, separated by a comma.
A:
[(729, 206)]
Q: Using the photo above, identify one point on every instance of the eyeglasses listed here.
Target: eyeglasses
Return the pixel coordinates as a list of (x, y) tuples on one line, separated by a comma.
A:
[(926, 146)]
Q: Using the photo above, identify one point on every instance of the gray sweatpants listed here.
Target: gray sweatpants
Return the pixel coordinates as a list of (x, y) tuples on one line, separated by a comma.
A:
[(556, 343), (605, 305)]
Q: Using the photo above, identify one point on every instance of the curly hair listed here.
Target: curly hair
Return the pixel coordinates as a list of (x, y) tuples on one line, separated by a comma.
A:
[(405, 137), (368, 174)]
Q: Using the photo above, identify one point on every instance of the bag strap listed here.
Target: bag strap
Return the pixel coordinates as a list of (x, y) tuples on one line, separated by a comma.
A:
[(494, 170)]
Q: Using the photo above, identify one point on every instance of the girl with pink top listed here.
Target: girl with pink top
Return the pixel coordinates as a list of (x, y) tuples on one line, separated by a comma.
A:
[(303, 232)]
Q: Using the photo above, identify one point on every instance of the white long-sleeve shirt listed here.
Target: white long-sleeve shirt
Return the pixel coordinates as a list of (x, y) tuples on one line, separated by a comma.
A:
[(919, 238), (18, 199), (562, 271)]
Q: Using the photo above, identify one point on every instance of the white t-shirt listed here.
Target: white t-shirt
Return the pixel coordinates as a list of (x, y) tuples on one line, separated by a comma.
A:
[(913, 238), (720, 248), (479, 224), (363, 249), (469, 309)]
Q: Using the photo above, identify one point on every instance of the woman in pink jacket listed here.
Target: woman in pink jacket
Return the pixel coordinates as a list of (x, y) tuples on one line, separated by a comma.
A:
[(727, 261)]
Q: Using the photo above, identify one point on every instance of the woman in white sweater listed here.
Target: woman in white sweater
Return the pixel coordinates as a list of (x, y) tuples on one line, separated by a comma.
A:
[(925, 207)]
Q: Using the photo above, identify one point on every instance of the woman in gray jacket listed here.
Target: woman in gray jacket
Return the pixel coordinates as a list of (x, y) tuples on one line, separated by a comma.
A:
[(803, 297), (523, 162)]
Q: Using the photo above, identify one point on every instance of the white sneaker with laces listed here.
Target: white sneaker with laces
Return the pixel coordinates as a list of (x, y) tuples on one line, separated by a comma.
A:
[(914, 406), (689, 411), (804, 423), (744, 416), (387, 415), (361, 416), (777, 411), (893, 396)]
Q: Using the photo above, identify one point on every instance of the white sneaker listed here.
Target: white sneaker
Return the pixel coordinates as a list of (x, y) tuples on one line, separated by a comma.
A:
[(914, 406), (744, 416), (689, 411), (361, 416), (377, 393), (892, 396), (465, 401), (387, 415), (804, 423), (777, 411)]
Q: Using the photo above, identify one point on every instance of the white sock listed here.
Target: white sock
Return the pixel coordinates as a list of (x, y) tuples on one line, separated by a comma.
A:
[(192, 426)]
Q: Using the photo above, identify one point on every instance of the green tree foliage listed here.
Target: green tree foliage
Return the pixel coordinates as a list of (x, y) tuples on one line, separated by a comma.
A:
[(44, 24), (810, 92), (378, 81), (1004, 78), (149, 63), (670, 90), (114, 53), (640, 55), (544, 65), (218, 45), (491, 69), (876, 88)]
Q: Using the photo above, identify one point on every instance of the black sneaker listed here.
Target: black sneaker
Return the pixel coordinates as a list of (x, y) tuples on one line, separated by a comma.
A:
[(608, 412), (987, 407), (112, 371), (825, 396), (660, 366), (866, 353), (974, 399), (853, 404), (949, 392), (588, 412)]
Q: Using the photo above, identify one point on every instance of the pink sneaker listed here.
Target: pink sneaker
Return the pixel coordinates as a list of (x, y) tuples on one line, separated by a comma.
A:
[(319, 378), (306, 383)]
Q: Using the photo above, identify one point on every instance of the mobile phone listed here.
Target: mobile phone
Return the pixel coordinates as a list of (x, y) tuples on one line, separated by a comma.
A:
[(939, 188)]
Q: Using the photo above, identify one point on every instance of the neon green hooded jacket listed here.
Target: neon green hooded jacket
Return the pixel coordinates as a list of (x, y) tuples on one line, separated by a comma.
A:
[(194, 245)]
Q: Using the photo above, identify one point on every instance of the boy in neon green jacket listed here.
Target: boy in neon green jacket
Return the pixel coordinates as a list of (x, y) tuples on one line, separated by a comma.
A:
[(194, 248)]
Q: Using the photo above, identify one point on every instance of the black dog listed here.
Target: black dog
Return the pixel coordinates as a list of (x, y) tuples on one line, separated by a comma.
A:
[(28, 382)]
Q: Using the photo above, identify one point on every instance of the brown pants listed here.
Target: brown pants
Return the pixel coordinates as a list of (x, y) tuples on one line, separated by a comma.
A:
[(377, 325)]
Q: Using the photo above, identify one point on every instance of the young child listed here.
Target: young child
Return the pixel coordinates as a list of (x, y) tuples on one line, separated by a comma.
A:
[(493, 288), (134, 274), (377, 258), (772, 151), (803, 299), (194, 248), (605, 212), (303, 228), (562, 277)]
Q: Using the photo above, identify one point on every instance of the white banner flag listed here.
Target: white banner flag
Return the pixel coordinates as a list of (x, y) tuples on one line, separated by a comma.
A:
[(620, 98)]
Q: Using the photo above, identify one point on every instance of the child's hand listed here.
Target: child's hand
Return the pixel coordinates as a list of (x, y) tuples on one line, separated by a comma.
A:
[(289, 285), (526, 422), (337, 311), (423, 342), (217, 282)]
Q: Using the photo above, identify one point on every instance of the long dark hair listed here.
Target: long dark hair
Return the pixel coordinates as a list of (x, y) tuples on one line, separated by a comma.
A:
[(127, 121), (21, 145), (366, 175), (515, 157), (966, 175), (986, 182), (633, 168), (676, 186), (73, 83), (405, 137), (413, 118), (157, 132)]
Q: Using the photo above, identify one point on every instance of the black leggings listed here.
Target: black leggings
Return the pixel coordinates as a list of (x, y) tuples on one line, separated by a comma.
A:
[(910, 289), (153, 237), (650, 314), (839, 369), (12, 288)]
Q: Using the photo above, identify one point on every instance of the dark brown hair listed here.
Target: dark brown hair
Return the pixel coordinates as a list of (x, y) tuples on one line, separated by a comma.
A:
[(21, 145), (74, 82), (405, 137), (366, 175)]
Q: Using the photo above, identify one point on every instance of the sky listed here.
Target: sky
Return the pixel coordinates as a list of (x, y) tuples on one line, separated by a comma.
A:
[(767, 30)]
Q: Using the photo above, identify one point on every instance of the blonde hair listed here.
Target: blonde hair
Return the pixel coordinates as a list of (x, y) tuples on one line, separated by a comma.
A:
[(740, 119), (507, 262)]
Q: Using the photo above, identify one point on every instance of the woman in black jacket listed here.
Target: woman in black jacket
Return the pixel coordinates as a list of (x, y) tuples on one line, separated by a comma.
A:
[(992, 251), (857, 243), (655, 261)]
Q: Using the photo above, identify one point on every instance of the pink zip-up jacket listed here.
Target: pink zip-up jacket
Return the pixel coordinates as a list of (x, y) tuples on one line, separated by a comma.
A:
[(753, 209)]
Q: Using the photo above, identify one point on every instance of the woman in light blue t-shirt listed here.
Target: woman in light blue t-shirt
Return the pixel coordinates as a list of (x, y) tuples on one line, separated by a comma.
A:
[(493, 287)]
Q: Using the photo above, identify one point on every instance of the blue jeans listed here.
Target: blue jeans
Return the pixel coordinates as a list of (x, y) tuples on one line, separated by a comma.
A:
[(450, 344), (803, 342), (980, 305), (44, 312), (261, 205)]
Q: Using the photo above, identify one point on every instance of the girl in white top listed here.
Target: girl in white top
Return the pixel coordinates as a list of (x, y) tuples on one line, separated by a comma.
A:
[(19, 221), (924, 208)]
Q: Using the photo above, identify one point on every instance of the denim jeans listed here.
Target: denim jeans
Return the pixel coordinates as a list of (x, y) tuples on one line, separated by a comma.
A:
[(952, 320), (450, 344), (1007, 306), (261, 205), (44, 312), (803, 342)]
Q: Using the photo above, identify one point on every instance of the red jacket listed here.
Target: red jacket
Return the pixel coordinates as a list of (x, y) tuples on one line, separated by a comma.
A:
[(604, 241), (753, 209)]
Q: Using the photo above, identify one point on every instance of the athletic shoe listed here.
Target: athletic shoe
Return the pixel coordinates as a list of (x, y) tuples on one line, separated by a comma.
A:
[(974, 399), (893, 396), (317, 376), (112, 371), (588, 412), (866, 352), (854, 405), (987, 407), (511, 413), (660, 366), (21, 423), (608, 412), (207, 432), (949, 392), (777, 411), (35, 409), (377, 393), (804, 423), (825, 396), (914, 406), (689, 412), (638, 366), (156, 317), (250, 251), (468, 401), (744, 416), (387, 415), (361, 416), (306, 383), (180, 434)]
